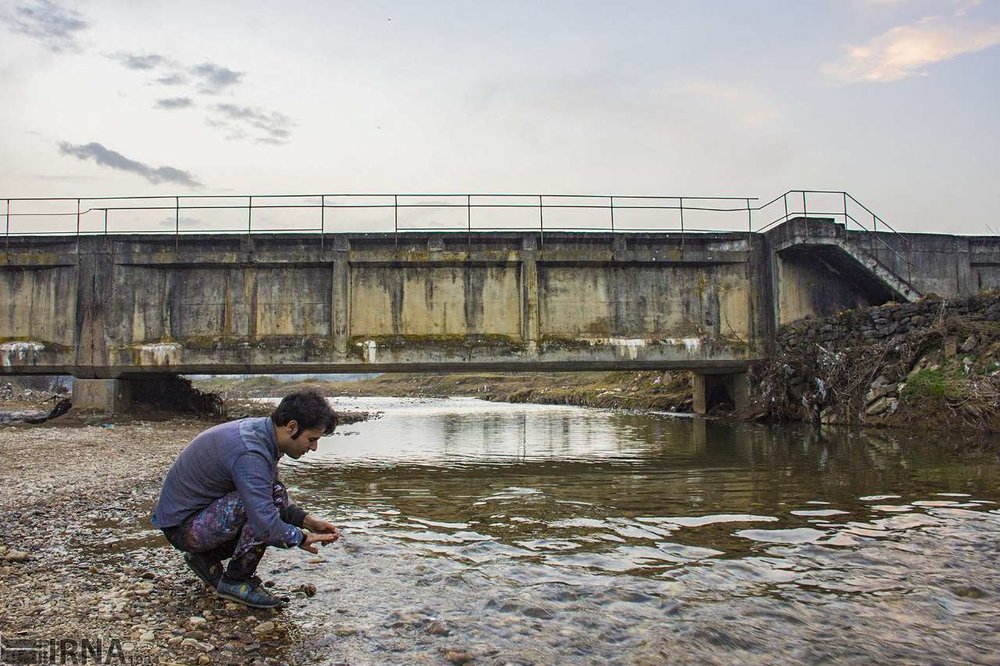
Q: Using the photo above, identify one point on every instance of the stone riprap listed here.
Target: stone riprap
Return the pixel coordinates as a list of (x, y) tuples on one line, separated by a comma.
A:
[(855, 367)]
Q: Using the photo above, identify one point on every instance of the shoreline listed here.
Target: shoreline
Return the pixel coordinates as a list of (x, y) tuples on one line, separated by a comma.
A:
[(79, 559)]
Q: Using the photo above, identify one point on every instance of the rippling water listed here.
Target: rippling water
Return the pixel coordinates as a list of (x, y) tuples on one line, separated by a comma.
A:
[(541, 534)]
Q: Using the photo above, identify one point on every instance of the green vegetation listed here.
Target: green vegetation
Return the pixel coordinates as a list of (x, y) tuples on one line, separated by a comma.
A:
[(933, 383)]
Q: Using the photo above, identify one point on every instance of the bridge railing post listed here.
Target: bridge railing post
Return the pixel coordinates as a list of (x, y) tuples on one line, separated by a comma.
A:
[(395, 218), (681, 206), (785, 197), (541, 221), (468, 220), (177, 224), (875, 235), (6, 232), (612, 215), (249, 216), (322, 221)]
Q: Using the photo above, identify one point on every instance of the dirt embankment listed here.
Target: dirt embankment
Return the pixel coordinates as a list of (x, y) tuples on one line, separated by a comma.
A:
[(663, 391), (930, 364)]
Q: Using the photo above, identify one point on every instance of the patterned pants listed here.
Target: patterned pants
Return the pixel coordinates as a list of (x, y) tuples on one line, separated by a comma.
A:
[(221, 531)]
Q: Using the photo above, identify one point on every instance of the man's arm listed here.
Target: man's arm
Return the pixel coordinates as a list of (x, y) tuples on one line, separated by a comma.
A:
[(252, 476)]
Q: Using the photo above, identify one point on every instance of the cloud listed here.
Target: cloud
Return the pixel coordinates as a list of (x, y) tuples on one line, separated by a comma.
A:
[(136, 61), (174, 79), (260, 125), (114, 160), (904, 51), (171, 103), (56, 27), (215, 78)]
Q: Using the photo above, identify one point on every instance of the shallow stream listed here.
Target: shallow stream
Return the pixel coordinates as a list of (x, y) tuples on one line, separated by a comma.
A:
[(544, 534)]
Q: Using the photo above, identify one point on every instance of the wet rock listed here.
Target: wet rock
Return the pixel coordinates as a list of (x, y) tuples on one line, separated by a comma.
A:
[(830, 415), (458, 656), (438, 628), (877, 407)]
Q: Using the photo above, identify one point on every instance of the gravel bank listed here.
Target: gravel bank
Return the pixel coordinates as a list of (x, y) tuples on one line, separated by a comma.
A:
[(79, 559)]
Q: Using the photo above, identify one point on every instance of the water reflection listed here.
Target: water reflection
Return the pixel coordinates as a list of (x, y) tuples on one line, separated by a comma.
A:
[(534, 513)]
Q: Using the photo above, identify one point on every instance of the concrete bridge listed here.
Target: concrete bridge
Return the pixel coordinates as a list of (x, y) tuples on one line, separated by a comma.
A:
[(111, 310)]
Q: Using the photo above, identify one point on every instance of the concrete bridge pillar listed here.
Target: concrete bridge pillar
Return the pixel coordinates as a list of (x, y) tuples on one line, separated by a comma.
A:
[(105, 395), (529, 296), (709, 391)]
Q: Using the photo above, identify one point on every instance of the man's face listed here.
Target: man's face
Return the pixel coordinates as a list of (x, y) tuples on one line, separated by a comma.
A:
[(296, 448)]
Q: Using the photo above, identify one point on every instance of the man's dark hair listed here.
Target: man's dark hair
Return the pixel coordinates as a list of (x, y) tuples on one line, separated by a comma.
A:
[(308, 409)]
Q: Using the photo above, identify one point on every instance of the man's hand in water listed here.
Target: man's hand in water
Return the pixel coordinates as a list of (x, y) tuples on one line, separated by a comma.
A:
[(313, 538), (320, 527)]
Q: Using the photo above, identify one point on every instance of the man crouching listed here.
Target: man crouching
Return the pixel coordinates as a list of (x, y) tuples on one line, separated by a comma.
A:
[(222, 498)]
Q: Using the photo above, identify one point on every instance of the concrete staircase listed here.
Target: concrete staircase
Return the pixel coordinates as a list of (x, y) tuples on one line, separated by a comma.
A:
[(826, 234)]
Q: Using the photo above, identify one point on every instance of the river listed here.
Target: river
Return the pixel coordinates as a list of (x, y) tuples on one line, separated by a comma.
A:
[(529, 534)]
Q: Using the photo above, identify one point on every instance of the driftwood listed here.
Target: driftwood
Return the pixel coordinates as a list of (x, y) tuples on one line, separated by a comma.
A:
[(36, 415)]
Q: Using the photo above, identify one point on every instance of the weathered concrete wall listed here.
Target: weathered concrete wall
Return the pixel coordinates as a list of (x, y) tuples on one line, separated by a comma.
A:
[(809, 285), (644, 301), (127, 305), (100, 307), (435, 300)]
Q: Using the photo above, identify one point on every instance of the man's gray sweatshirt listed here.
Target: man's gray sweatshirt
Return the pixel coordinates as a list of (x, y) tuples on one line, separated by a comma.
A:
[(239, 456)]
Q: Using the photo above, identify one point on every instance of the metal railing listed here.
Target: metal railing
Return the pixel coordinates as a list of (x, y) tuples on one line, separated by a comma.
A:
[(333, 203), (467, 212), (843, 207)]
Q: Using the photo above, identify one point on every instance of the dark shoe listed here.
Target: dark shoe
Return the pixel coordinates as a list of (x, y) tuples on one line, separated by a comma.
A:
[(210, 574), (248, 592)]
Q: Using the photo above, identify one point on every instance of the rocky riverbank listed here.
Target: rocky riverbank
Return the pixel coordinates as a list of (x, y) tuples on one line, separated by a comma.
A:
[(79, 560), (930, 364)]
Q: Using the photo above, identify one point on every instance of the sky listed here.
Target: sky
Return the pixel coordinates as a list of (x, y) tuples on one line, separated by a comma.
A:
[(895, 101)]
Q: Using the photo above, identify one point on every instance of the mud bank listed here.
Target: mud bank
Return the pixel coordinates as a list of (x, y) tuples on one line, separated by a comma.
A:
[(660, 391)]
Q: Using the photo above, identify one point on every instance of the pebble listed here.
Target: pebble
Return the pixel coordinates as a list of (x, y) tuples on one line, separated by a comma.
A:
[(316, 560), (458, 656), (147, 636), (438, 628), (344, 631), (17, 556), (195, 622), (264, 628), (307, 589)]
